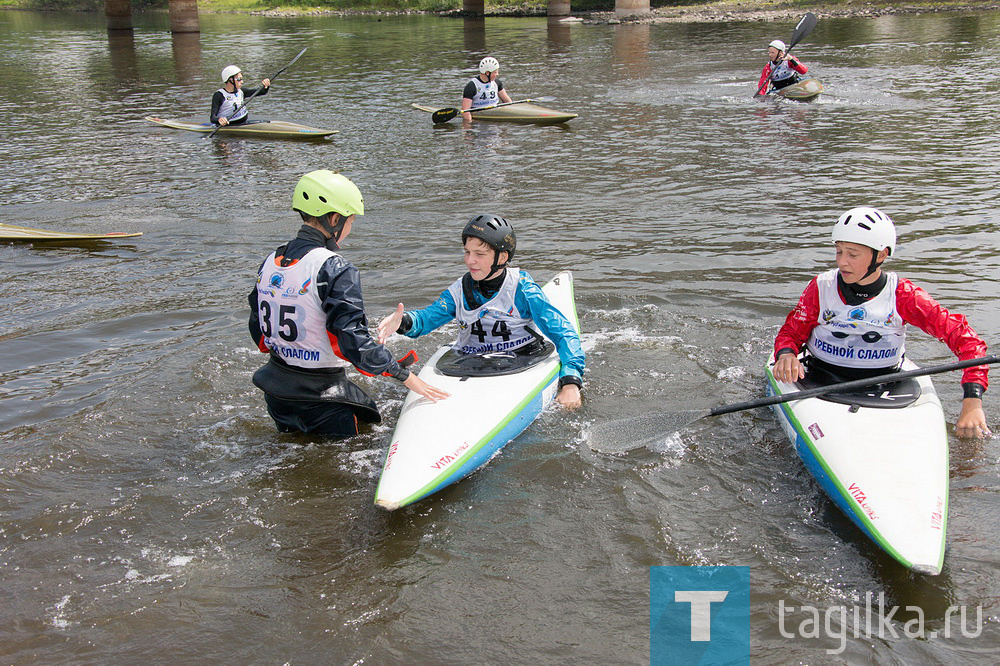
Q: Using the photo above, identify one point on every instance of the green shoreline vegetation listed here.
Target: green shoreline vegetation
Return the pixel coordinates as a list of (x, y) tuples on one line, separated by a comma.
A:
[(666, 10)]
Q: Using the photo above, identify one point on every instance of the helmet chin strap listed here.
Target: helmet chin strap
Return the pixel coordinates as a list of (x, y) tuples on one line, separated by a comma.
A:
[(496, 266), (874, 265), (333, 242)]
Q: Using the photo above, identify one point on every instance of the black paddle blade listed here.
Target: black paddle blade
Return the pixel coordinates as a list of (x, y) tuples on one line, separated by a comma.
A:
[(444, 115), (657, 431), (804, 27)]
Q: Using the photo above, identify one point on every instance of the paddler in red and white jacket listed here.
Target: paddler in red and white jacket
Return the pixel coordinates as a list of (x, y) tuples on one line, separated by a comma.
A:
[(851, 320), (781, 70), (485, 89), (307, 313), (227, 102)]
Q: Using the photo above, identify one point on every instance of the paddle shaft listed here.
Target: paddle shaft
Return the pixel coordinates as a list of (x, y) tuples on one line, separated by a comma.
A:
[(804, 27), (247, 101), (848, 386), (446, 114)]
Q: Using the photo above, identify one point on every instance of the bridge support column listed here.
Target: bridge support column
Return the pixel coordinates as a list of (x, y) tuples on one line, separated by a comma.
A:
[(477, 7), (119, 14), (184, 16), (625, 8), (560, 7)]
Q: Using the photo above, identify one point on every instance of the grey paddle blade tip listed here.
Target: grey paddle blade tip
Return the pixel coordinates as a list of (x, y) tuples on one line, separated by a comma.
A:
[(657, 432)]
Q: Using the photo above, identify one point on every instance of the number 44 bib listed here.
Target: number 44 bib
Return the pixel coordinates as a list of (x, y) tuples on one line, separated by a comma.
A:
[(494, 326)]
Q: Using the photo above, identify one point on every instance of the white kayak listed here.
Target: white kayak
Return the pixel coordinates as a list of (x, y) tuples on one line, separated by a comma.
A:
[(883, 463), (436, 444)]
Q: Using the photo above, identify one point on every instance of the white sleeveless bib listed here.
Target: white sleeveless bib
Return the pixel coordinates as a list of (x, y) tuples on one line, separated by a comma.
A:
[(782, 71), (493, 327), (232, 101), (486, 93), (870, 335), (291, 314)]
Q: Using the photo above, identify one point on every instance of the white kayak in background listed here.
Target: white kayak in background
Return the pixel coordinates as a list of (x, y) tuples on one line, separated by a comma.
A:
[(881, 454), (435, 444)]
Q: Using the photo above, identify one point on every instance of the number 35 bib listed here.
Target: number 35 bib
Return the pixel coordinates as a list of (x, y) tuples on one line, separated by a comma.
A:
[(496, 325)]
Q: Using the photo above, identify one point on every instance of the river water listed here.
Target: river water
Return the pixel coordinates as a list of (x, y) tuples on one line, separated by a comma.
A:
[(148, 508)]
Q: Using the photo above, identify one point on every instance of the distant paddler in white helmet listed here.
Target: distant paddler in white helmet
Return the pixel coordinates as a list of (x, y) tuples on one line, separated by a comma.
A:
[(850, 322), (782, 69), (227, 102), (485, 89)]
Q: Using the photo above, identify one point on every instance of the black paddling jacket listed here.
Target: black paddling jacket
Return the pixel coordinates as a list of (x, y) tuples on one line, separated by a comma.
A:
[(339, 287)]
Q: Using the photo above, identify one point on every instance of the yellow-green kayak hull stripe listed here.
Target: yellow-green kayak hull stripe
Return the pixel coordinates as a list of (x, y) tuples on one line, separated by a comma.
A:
[(9, 232), (273, 129)]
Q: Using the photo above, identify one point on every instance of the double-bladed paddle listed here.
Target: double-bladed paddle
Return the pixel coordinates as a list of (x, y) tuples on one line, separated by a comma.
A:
[(622, 435), (247, 100), (804, 27), (446, 114)]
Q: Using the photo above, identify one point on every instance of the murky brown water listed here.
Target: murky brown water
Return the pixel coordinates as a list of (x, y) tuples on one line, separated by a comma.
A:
[(148, 509)]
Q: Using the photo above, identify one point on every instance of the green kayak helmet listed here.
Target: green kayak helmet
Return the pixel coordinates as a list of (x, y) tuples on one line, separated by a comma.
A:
[(322, 192), (496, 232)]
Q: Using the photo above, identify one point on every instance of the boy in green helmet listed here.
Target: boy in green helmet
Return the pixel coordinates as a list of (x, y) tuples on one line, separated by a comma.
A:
[(307, 313)]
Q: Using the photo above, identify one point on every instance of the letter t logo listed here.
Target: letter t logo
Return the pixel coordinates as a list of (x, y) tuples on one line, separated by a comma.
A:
[(701, 610)]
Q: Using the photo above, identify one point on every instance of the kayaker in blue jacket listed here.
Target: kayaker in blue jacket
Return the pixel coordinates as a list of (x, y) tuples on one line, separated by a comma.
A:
[(227, 102), (497, 307), (307, 313)]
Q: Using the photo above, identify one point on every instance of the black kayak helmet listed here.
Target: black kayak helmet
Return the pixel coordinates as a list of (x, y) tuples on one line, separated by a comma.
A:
[(496, 232)]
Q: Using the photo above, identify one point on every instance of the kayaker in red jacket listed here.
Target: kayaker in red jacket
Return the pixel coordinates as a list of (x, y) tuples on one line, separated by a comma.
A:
[(850, 321), (781, 70)]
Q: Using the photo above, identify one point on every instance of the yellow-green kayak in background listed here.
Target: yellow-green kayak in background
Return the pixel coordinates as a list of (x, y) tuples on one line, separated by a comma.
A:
[(525, 114), (273, 129), (9, 232)]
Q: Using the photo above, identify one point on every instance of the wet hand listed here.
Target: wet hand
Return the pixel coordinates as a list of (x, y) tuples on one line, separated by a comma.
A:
[(788, 368), (223, 121), (422, 388), (971, 422), (266, 83), (569, 396), (388, 326)]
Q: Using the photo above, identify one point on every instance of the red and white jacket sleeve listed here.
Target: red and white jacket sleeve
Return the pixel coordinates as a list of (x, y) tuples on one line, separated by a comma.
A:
[(800, 321), (765, 75), (918, 308)]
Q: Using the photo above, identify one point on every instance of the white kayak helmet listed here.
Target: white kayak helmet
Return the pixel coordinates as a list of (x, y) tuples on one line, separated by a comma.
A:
[(778, 44), (230, 72), (866, 226), (488, 64)]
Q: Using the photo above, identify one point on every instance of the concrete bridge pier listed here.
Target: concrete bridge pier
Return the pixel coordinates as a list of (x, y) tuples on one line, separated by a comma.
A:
[(625, 8), (184, 16), (474, 7), (119, 14), (559, 8)]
